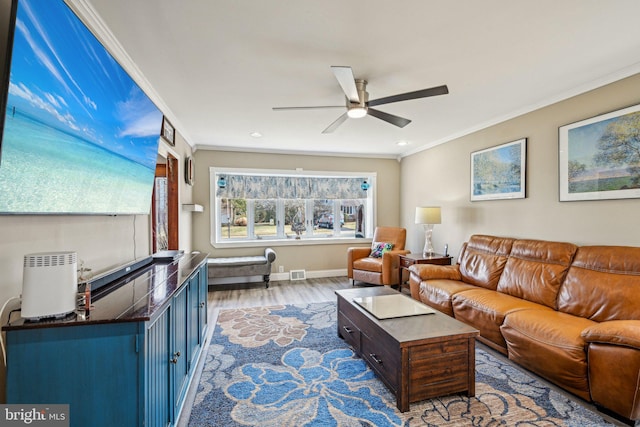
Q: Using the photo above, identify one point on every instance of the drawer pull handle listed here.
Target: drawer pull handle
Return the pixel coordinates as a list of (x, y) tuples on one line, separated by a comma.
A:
[(347, 330), (375, 358)]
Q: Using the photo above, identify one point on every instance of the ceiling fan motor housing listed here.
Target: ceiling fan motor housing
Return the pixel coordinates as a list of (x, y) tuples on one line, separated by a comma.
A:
[(358, 109)]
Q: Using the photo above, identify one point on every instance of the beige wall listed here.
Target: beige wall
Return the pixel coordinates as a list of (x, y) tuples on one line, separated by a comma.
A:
[(102, 242), (311, 258), (440, 176)]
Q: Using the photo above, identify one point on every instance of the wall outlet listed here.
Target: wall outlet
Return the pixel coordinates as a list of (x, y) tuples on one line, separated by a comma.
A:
[(281, 269)]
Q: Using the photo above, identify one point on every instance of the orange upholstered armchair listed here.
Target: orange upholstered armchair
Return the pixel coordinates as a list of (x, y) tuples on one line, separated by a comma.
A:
[(379, 263)]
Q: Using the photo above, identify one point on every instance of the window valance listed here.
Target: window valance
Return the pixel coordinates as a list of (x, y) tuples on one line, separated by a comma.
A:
[(289, 187)]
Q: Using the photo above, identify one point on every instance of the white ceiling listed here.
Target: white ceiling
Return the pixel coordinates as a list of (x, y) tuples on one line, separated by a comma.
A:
[(217, 67)]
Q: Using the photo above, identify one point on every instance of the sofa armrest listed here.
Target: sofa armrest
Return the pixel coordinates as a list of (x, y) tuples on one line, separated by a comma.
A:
[(392, 256), (354, 254), (390, 265), (432, 271), (616, 332)]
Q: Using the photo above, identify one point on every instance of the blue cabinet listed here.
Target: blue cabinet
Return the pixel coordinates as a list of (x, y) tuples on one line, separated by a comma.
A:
[(202, 301), (178, 353), (117, 372), (195, 302), (158, 408), (94, 369)]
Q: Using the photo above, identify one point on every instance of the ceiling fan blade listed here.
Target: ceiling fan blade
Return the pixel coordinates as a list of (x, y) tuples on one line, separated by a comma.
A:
[(306, 108), (347, 81), (389, 118), (434, 91), (333, 126)]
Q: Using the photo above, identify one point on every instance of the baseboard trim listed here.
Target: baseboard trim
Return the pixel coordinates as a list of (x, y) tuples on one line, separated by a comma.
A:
[(316, 274)]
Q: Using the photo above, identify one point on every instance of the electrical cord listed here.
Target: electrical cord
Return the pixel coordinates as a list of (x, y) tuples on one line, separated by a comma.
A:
[(134, 236), (4, 353)]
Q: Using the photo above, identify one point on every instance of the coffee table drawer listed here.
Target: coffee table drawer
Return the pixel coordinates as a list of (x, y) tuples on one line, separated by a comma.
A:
[(439, 348), (383, 358), (439, 376), (348, 331), (438, 369)]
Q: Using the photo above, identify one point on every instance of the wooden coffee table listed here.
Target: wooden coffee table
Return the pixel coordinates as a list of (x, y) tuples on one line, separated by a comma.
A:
[(417, 357)]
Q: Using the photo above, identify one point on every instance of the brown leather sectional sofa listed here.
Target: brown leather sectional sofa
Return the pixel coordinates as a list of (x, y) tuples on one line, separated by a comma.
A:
[(570, 314)]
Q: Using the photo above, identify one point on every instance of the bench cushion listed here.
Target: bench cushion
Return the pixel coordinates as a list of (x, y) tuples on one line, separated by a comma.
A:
[(242, 266), (236, 261)]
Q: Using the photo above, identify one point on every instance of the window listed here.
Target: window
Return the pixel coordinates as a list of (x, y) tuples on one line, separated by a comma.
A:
[(250, 207)]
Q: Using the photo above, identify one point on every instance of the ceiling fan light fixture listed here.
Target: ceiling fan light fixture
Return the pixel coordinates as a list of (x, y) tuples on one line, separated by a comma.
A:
[(357, 112)]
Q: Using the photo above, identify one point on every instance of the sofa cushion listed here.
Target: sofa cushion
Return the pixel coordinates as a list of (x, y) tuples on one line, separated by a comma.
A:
[(483, 259), (485, 310), (536, 336), (535, 270), (438, 293), (603, 284), (368, 264)]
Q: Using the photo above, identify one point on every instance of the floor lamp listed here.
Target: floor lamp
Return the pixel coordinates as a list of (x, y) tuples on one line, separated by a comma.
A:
[(428, 216)]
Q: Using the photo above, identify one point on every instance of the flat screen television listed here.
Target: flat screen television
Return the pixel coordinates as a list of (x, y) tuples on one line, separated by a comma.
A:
[(79, 135)]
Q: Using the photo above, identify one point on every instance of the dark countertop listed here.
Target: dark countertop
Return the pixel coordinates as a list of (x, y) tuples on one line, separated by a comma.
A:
[(136, 297)]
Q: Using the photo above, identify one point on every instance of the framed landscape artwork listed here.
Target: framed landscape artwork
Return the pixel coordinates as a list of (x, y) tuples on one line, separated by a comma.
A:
[(499, 172), (600, 157)]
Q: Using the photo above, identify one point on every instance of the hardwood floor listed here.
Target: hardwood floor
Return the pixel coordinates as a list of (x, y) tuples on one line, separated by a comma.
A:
[(283, 292), (278, 293)]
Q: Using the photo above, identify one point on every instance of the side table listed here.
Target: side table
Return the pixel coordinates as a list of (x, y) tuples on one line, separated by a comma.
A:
[(407, 260)]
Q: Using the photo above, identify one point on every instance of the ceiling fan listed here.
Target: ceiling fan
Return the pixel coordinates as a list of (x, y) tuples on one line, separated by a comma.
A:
[(358, 104)]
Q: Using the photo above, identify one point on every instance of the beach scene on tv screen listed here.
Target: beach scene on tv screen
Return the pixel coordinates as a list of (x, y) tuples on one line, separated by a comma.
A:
[(80, 136)]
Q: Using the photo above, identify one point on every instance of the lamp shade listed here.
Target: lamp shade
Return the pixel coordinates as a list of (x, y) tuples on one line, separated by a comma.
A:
[(428, 215)]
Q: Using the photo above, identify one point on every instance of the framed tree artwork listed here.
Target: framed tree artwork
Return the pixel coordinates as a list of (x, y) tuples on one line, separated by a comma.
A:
[(600, 157), (499, 172)]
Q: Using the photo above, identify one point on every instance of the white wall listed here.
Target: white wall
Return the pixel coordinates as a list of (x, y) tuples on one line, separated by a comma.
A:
[(441, 176)]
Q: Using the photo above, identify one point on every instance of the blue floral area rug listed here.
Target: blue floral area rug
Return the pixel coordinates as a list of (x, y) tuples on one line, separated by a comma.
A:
[(286, 366)]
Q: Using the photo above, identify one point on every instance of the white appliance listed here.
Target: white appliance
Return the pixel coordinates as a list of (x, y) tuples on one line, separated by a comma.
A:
[(49, 284)]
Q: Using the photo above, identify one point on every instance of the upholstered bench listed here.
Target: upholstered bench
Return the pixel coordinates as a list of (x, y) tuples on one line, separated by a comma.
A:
[(242, 266)]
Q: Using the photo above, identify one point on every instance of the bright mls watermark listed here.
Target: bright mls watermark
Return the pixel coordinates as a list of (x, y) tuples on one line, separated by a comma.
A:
[(34, 415)]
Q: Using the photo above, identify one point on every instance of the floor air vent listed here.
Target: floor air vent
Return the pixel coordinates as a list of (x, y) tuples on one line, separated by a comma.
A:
[(297, 275)]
